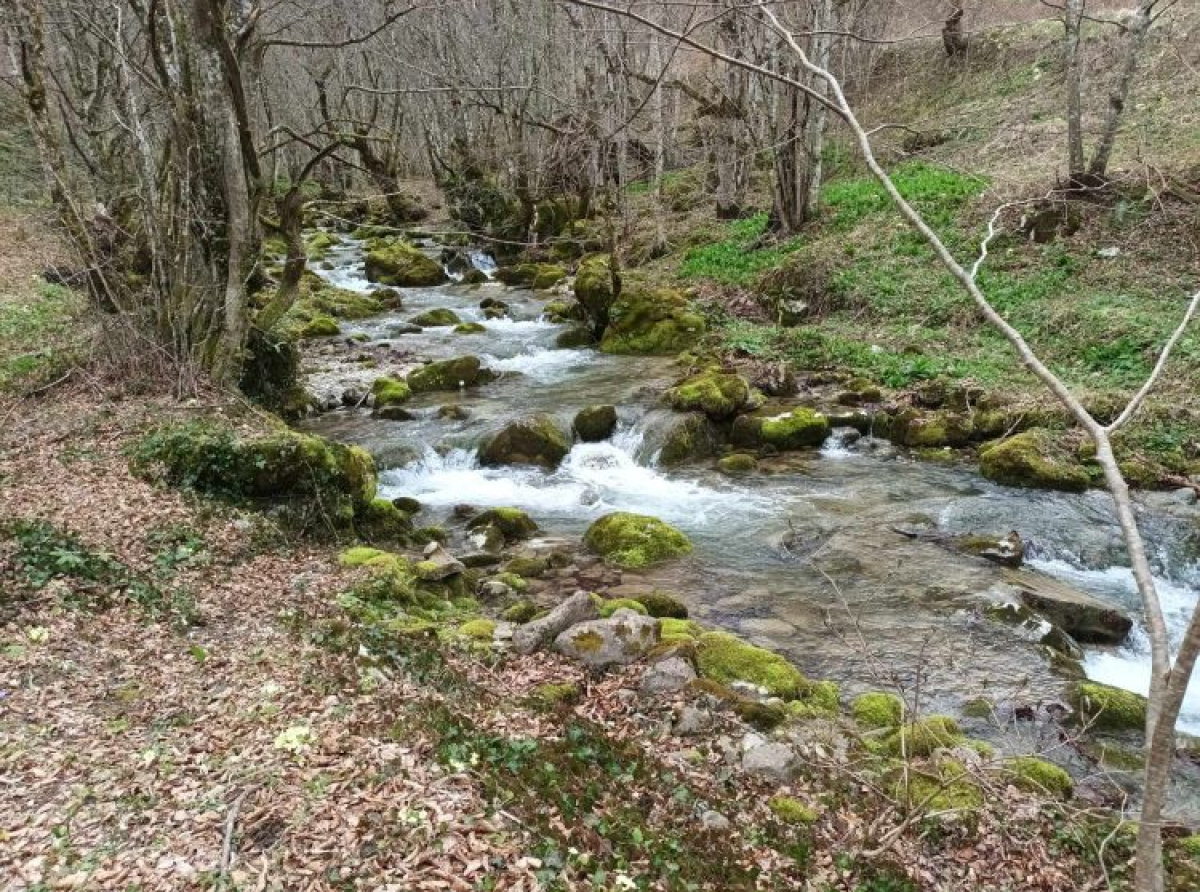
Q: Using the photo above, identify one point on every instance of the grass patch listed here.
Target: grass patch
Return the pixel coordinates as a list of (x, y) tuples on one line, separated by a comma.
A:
[(39, 340), (734, 260)]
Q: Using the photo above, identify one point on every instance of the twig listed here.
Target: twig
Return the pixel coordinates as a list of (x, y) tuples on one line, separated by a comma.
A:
[(230, 824)]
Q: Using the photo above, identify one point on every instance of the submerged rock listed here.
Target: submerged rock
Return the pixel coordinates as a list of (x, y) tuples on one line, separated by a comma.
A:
[(536, 440), (1033, 459), (536, 633), (437, 318), (623, 638), (691, 437), (1085, 617), (635, 540), (595, 423)]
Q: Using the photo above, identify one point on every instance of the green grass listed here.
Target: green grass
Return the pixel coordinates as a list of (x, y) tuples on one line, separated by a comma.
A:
[(936, 192), (733, 260), (38, 336)]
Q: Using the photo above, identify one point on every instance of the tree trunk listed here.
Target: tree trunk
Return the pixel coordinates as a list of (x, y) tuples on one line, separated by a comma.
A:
[(1072, 21), (816, 114), (1137, 30)]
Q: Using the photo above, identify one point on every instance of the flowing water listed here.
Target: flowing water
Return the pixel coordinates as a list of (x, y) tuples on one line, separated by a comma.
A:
[(848, 598)]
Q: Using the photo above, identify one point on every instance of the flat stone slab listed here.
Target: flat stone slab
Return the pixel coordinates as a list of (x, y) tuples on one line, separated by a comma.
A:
[(1084, 617)]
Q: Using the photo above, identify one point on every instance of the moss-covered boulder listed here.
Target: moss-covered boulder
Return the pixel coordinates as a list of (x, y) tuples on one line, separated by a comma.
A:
[(470, 328), (739, 464), (1107, 708), (933, 430), (719, 395), (320, 327), (480, 629), (635, 540), (792, 811), (536, 440), (1033, 459), (450, 374), (945, 786), (574, 337), (595, 423), (513, 523), (436, 318), (689, 437), (381, 521), (320, 243), (679, 631), (662, 605), (565, 311), (651, 321), (312, 480), (520, 612), (596, 288), (1038, 776), (797, 429), (538, 276), (399, 263), (607, 608), (725, 658), (474, 277), (923, 737), (390, 392), (877, 709)]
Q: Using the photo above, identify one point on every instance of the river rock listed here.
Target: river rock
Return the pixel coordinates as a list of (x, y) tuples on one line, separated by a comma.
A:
[(1086, 618), (403, 328), (595, 423), (623, 638), (667, 676), (536, 440), (692, 720), (775, 761), (537, 633), (450, 374), (714, 822), (437, 564), (481, 559)]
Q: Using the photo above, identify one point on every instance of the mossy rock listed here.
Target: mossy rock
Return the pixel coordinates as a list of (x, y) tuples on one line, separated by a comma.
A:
[(595, 423), (478, 629), (520, 612), (719, 395), (932, 431), (651, 321), (596, 288), (512, 580), (1033, 459), (474, 277), (382, 521), (633, 541), (313, 482), (690, 437), (877, 709), (924, 736), (948, 786), (575, 337), (678, 631), (725, 658), (663, 605), (392, 575), (1107, 708), (390, 392), (538, 276), (527, 567), (1039, 776), (566, 311), (436, 318), (470, 328), (802, 428), (763, 716), (319, 244), (792, 811), (739, 464), (556, 693), (535, 440), (320, 327), (450, 374), (608, 608), (396, 262), (513, 523)]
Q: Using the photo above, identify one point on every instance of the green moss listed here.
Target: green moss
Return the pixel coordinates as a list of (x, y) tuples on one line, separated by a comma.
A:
[(651, 321), (478, 629), (555, 694), (1109, 708), (792, 811), (513, 523), (878, 709), (586, 641), (802, 428), (1190, 845), (692, 436), (381, 520), (821, 700), (512, 580), (663, 605), (521, 612), (676, 631), (436, 318), (978, 708), (470, 328), (527, 567), (608, 608), (396, 262), (538, 276), (737, 464), (320, 327), (595, 423), (1033, 459), (1039, 776), (718, 395), (359, 556), (596, 287), (319, 244), (923, 737), (633, 541), (725, 658), (933, 431), (449, 374), (948, 787), (390, 392)]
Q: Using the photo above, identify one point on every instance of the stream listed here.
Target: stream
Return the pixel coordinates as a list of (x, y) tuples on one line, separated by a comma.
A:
[(850, 599)]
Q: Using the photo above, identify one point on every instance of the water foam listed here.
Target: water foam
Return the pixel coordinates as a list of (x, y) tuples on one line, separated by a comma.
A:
[(539, 363)]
